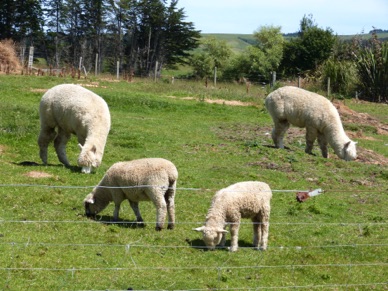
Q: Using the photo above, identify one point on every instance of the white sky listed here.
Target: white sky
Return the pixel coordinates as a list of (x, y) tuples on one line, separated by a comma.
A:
[(344, 17)]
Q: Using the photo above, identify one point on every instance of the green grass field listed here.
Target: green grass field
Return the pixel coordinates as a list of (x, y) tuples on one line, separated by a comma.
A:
[(335, 241)]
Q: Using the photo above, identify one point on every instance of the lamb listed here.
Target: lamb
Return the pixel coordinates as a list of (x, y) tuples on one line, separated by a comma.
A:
[(74, 110), (292, 105), (249, 199), (137, 180)]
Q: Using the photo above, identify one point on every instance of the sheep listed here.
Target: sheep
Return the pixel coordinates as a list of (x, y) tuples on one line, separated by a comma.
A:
[(74, 110), (292, 105), (148, 179), (249, 199)]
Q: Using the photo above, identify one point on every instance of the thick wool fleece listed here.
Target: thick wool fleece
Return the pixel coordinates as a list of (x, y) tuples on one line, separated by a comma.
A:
[(73, 109), (249, 199), (132, 181), (292, 105)]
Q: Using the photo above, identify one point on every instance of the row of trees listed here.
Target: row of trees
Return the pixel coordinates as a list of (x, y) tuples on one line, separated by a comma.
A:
[(144, 35), (140, 34), (315, 53)]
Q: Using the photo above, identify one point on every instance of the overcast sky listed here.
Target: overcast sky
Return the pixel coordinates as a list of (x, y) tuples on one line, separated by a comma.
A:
[(344, 17)]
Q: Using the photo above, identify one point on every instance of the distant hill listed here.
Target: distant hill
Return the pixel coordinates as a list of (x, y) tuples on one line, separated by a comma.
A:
[(238, 42)]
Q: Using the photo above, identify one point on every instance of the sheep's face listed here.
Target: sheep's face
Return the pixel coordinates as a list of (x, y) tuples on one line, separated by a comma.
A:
[(350, 152), (91, 207), (211, 236), (88, 159)]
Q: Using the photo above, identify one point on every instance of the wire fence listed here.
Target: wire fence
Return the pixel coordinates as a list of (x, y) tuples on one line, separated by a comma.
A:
[(15, 247)]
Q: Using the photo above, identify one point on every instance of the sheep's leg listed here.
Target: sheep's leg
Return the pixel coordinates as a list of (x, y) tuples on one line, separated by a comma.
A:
[(256, 233), (264, 227), (169, 198), (60, 146), (116, 212), (323, 145), (157, 197), (234, 227), (46, 136), (136, 210), (311, 135), (278, 132), (223, 240)]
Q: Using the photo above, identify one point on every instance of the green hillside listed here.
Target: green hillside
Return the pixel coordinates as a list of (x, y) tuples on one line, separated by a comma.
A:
[(238, 42)]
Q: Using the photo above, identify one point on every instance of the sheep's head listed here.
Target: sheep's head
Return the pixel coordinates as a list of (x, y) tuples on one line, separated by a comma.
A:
[(88, 158), (211, 236), (92, 207), (349, 151)]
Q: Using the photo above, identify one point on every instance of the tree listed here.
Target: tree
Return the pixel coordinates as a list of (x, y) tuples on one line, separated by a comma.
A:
[(213, 53), (21, 20), (260, 59), (309, 49), (55, 15)]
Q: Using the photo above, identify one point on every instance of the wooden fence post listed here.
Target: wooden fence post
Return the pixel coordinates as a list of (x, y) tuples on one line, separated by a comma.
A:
[(215, 76), (96, 66), (118, 70), (273, 79)]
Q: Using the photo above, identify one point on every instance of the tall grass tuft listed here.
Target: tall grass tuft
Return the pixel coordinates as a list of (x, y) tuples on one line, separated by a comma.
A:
[(372, 67), (342, 74)]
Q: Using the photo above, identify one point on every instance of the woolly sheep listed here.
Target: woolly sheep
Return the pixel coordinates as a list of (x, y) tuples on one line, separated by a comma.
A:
[(249, 199), (159, 178), (74, 110), (292, 105)]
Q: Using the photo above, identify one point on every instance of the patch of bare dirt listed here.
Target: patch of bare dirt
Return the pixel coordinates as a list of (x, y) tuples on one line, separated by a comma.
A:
[(38, 174), (350, 116), (220, 101), (2, 149)]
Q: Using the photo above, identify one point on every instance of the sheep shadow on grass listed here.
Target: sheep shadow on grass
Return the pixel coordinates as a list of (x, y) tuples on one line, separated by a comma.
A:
[(199, 244), (73, 169), (108, 220)]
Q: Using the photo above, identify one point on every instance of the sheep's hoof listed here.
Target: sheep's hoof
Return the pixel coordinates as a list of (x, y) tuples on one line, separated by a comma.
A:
[(158, 228), (86, 170), (140, 224), (170, 226)]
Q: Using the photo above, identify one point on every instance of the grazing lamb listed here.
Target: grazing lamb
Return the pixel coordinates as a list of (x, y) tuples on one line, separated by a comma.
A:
[(74, 110), (152, 179), (241, 200), (292, 105)]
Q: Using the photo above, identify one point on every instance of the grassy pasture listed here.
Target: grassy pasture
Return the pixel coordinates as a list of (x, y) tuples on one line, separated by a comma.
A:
[(337, 240)]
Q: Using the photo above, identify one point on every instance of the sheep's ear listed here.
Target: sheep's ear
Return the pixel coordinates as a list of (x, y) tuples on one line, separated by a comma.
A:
[(199, 228), (89, 200), (347, 144), (80, 146), (94, 149)]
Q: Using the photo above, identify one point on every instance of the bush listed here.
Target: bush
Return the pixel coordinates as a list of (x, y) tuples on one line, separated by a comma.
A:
[(8, 58), (372, 66)]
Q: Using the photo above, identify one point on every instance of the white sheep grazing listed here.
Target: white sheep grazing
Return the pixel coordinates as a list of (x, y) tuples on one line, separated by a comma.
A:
[(150, 179), (74, 110), (241, 200), (292, 105)]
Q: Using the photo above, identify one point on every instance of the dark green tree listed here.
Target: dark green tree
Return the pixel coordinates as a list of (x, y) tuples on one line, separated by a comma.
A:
[(309, 49), (7, 19), (21, 20)]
